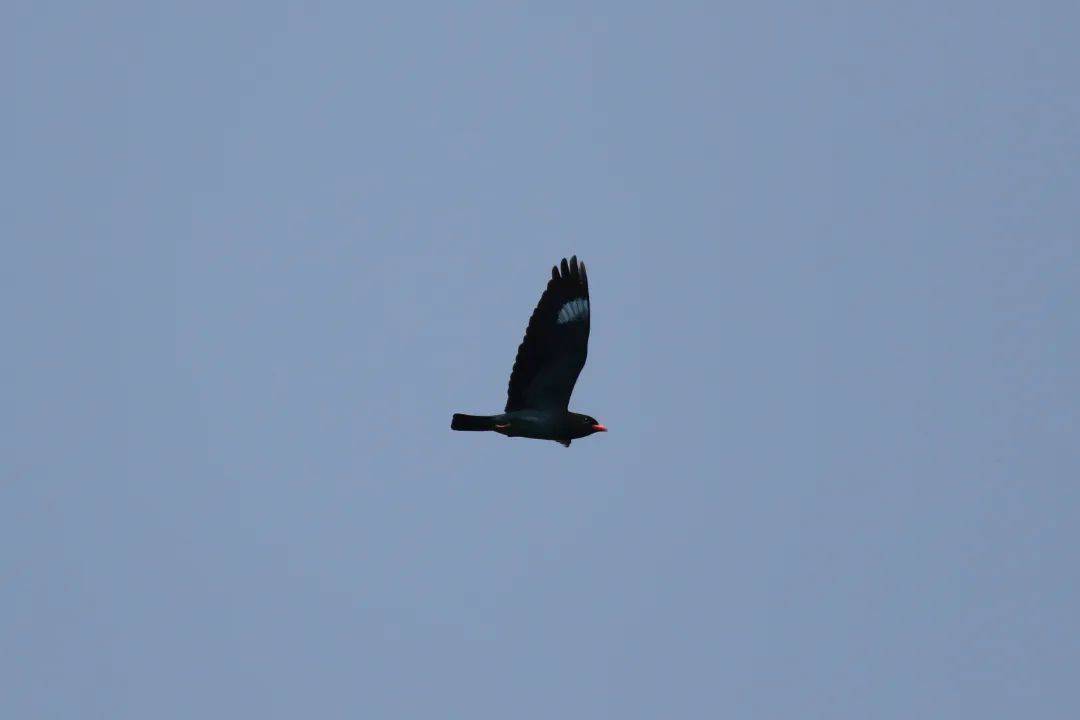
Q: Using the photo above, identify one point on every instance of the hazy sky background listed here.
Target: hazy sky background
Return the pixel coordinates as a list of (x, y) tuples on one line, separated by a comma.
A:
[(256, 254)]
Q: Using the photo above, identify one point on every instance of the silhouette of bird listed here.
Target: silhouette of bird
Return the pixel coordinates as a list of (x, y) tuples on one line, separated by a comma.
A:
[(548, 362)]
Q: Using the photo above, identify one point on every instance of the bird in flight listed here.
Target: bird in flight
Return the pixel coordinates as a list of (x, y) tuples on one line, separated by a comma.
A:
[(548, 362)]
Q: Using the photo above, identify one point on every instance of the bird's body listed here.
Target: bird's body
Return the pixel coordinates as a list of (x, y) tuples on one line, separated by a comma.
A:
[(538, 424), (547, 366)]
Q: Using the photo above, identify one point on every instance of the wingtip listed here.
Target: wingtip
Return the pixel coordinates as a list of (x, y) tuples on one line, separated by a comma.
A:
[(572, 269)]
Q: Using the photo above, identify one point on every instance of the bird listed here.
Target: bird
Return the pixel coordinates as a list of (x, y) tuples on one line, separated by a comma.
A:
[(547, 365)]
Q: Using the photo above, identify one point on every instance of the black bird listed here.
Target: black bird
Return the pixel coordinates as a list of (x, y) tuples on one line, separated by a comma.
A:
[(548, 362)]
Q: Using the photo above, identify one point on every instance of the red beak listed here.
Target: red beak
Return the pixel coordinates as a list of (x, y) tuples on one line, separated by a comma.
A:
[(599, 428)]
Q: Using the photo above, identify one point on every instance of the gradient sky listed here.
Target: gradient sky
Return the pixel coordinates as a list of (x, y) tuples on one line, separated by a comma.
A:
[(256, 254)]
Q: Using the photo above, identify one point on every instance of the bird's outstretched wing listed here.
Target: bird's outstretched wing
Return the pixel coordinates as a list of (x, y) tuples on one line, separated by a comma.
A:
[(556, 343)]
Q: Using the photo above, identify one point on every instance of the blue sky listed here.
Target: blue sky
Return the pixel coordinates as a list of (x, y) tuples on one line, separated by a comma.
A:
[(257, 253)]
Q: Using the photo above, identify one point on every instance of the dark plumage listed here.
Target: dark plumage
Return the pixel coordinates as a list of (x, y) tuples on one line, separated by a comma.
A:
[(548, 363)]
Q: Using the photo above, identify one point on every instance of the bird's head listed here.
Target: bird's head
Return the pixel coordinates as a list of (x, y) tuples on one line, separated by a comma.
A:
[(589, 425)]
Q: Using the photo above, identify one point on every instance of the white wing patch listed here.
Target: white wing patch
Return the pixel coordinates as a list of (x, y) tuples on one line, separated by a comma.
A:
[(574, 311)]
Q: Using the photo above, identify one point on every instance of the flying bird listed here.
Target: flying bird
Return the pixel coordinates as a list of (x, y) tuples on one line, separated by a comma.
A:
[(548, 362)]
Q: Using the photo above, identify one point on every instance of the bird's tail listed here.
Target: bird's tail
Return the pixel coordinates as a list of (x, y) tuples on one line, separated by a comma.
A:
[(462, 421)]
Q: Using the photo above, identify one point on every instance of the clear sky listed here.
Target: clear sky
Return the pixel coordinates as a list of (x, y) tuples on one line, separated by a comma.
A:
[(256, 254)]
